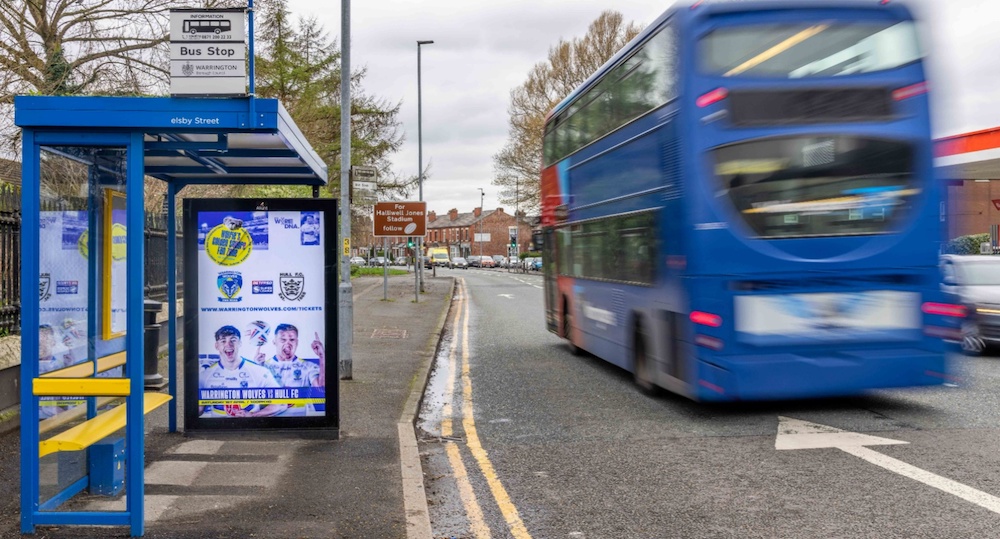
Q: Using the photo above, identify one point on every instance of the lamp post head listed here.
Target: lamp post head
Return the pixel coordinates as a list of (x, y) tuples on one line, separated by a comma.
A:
[(419, 43)]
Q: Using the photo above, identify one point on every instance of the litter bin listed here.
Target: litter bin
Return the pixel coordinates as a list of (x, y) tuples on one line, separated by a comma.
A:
[(152, 379)]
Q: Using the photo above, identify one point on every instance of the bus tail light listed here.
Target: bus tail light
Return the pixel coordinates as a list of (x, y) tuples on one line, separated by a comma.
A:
[(706, 319), (907, 92), (714, 96), (944, 309)]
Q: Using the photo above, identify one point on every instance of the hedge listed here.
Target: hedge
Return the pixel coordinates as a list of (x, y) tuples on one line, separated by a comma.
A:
[(966, 245)]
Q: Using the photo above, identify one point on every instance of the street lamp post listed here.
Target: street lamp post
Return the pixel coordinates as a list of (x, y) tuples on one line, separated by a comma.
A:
[(481, 195), (418, 259)]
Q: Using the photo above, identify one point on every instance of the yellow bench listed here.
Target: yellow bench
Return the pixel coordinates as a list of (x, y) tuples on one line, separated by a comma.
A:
[(76, 381), (68, 416), (96, 429)]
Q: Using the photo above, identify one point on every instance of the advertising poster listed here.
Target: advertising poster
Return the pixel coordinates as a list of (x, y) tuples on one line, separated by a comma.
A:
[(62, 289), (263, 331), (115, 267)]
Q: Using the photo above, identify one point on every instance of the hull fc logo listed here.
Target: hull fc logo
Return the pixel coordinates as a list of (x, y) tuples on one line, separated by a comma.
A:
[(45, 287), (293, 286), (230, 283)]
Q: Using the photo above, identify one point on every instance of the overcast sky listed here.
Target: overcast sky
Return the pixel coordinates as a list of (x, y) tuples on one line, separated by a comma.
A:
[(482, 50)]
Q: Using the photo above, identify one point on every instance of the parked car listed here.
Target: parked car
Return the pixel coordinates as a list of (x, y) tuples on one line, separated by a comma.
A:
[(427, 263), (528, 264), (975, 282), (459, 262), (498, 261), (377, 261), (536, 264), (357, 261), (487, 262), (473, 261)]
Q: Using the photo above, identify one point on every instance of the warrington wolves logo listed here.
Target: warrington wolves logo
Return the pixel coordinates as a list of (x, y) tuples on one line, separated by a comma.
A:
[(293, 286), (230, 283)]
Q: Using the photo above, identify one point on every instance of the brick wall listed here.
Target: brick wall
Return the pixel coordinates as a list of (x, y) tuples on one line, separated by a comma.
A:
[(970, 207)]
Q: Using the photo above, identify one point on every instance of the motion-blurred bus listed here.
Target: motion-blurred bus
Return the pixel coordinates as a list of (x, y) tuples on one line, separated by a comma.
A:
[(740, 205)]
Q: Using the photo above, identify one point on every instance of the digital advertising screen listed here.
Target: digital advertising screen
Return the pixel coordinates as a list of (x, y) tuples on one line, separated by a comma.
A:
[(260, 313)]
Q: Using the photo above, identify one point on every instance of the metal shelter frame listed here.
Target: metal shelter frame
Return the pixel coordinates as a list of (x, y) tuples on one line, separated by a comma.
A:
[(182, 141)]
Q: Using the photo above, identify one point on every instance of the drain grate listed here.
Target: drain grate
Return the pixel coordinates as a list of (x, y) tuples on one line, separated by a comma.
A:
[(389, 334)]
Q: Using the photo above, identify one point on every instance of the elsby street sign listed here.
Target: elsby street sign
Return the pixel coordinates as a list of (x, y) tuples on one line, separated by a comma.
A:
[(400, 218)]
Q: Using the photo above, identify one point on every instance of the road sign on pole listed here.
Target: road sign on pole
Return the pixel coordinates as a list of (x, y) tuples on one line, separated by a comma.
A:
[(364, 183), (400, 219)]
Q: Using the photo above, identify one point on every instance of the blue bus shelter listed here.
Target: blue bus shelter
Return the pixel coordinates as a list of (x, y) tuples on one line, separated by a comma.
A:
[(84, 165)]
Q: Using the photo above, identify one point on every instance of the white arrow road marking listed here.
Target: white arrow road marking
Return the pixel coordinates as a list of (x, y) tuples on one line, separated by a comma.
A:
[(798, 434)]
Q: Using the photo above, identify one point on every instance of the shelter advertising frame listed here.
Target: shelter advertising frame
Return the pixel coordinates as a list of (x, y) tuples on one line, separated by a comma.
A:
[(260, 315)]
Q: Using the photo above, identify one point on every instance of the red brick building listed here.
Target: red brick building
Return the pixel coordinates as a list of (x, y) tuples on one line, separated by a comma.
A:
[(460, 232), (970, 164)]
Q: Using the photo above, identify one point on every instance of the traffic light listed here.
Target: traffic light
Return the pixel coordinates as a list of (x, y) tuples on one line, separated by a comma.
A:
[(513, 242), (409, 242)]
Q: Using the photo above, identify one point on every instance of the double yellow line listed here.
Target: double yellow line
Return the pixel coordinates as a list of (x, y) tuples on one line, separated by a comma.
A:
[(474, 512)]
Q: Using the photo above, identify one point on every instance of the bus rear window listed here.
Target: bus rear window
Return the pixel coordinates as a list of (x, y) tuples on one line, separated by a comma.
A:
[(808, 49), (807, 186)]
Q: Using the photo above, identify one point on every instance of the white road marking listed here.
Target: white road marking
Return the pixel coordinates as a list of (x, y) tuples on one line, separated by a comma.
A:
[(798, 434), (508, 296)]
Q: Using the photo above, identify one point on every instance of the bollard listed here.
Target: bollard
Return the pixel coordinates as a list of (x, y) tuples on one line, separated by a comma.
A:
[(152, 378)]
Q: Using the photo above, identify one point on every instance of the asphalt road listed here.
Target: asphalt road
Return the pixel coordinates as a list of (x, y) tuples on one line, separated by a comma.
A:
[(545, 444)]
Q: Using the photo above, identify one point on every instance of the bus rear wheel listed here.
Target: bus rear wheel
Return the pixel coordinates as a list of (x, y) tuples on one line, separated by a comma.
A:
[(567, 323), (641, 364)]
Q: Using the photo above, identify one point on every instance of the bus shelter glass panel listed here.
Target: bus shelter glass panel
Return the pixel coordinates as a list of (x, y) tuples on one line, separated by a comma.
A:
[(81, 286)]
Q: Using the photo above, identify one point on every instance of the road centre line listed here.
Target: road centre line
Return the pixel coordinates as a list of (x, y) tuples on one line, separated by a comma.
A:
[(507, 508), (477, 524)]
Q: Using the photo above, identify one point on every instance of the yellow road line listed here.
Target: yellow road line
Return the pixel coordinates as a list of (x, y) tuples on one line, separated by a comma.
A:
[(477, 524), (507, 508)]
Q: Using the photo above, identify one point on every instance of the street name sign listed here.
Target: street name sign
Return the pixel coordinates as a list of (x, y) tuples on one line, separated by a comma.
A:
[(400, 218), (208, 52), (364, 183)]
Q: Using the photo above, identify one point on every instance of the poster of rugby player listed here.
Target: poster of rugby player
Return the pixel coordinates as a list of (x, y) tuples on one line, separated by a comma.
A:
[(262, 316)]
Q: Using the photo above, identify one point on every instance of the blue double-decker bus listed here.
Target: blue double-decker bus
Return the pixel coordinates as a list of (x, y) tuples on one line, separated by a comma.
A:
[(740, 205)]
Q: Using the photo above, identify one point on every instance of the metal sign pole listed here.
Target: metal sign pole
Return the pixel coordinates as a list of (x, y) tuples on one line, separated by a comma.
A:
[(385, 268), (346, 301)]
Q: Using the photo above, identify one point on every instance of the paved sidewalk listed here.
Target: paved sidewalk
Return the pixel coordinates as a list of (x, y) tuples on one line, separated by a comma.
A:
[(295, 488)]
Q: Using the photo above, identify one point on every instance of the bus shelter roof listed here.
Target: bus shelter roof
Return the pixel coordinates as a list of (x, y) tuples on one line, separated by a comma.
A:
[(191, 140)]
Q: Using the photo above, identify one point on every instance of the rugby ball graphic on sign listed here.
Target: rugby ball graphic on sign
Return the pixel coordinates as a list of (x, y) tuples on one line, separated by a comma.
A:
[(410, 228)]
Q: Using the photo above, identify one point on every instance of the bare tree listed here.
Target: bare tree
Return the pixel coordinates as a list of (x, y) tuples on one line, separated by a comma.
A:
[(517, 166), (77, 47)]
